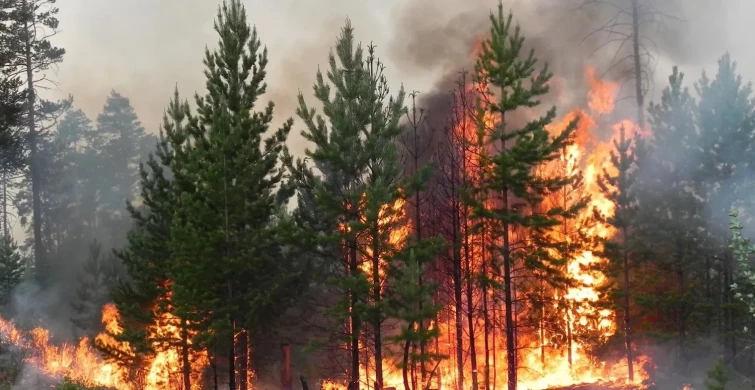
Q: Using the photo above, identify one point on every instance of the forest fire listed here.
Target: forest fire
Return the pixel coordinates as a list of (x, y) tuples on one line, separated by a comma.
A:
[(555, 350), (574, 320), (84, 364)]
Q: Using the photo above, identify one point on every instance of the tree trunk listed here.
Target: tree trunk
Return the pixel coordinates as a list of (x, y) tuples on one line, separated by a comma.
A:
[(418, 230), (458, 302), (485, 313), (215, 371), (456, 242), (243, 345), (510, 334), (185, 363), (6, 233), (637, 63), (39, 253), (470, 310), (682, 311), (730, 341), (286, 378), (232, 359), (405, 369), (627, 322), (355, 320), (377, 321)]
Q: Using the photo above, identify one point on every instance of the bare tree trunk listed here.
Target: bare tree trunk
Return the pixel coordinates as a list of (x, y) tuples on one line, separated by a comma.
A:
[(681, 311), (286, 377), (470, 310), (485, 313), (627, 323), (243, 344), (6, 233), (457, 269), (416, 119), (405, 369), (185, 363), (232, 358), (355, 318), (376, 321), (215, 371), (39, 252), (510, 334), (637, 63), (458, 307)]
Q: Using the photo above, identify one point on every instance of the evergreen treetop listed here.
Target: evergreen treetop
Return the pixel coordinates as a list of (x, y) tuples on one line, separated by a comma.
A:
[(229, 267)]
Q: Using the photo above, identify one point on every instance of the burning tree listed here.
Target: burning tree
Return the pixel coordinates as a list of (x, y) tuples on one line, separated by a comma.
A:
[(509, 160), (361, 187)]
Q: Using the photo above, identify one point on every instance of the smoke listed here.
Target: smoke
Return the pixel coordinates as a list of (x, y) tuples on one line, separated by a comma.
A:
[(439, 36)]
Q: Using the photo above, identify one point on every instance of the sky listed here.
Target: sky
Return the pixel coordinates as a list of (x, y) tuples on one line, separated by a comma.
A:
[(145, 48)]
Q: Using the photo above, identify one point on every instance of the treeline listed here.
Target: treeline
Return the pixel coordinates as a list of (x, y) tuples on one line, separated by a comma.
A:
[(64, 179), (402, 232)]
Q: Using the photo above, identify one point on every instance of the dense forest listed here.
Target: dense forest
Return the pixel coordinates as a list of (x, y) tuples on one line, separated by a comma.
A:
[(487, 237)]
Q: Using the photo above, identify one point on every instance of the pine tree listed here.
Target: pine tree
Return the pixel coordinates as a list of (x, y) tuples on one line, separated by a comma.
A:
[(573, 238), (717, 376), (32, 54), (12, 158), (509, 174), (12, 268), (451, 179), (670, 220), (418, 198), (617, 186), (122, 139), (230, 274), (408, 297), (726, 121), (362, 188), (142, 298), (80, 144), (96, 277)]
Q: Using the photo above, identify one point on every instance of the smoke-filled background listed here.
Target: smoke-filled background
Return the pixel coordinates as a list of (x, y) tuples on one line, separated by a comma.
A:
[(143, 48)]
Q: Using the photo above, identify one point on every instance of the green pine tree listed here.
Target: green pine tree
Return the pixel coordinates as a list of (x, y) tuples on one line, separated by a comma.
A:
[(619, 188), (718, 376), (510, 173), (726, 123), (80, 145), (12, 268), (413, 303), (142, 298), (122, 139), (230, 273), (30, 24), (670, 220), (359, 194), (12, 158), (95, 279)]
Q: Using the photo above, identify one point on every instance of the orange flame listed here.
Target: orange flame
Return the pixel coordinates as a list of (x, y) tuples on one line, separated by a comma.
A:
[(84, 364), (544, 362)]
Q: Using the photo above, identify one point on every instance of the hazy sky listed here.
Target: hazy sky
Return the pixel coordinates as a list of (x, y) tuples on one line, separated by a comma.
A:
[(143, 48)]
